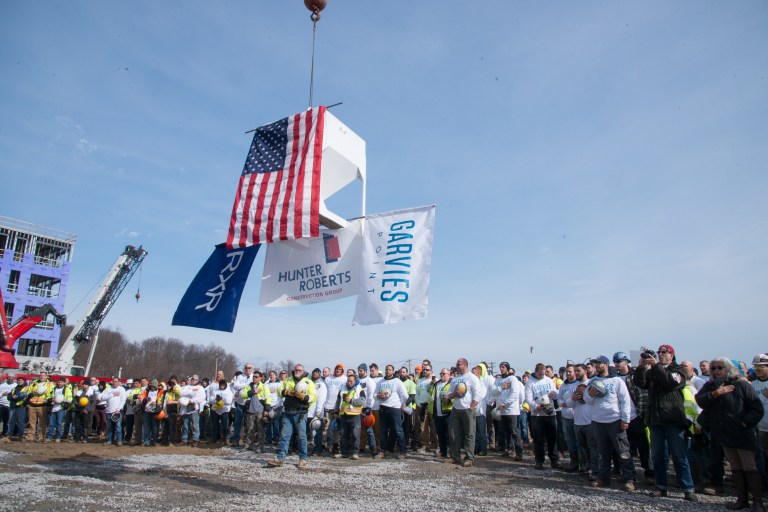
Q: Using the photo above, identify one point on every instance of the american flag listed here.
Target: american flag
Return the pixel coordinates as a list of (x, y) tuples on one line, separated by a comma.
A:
[(278, 197)]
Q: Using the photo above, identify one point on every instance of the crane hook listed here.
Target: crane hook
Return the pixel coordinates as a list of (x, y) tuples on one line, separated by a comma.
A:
[(315, 6)]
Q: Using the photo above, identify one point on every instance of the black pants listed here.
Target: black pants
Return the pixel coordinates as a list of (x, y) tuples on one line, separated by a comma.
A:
[(441, 426), (509, 434), (128, 422), (5, 416), (544, 430), (638, 440)]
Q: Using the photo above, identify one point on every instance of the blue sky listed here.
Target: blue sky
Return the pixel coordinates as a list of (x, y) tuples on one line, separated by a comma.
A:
[(598, 167)]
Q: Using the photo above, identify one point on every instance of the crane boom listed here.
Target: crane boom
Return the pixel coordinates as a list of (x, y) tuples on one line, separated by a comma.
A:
[(109, 290)]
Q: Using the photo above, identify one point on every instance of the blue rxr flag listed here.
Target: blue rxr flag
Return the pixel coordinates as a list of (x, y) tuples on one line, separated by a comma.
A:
[(211, 301)]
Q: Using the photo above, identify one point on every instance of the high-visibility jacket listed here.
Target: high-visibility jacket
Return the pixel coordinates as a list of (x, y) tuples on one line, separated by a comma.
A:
[(291, 403), (435, 395), (410, 388), (38, 398), (261, 394), (18, 396), (347, 396)]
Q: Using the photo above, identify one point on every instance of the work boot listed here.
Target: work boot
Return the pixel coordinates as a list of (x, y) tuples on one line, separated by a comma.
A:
[(740, 483), (754, 483), (335, 449)]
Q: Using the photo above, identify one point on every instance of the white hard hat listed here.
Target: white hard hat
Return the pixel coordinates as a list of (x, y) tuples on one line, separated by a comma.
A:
[(496, 413), (543, 400), (599, 386), (760, 359), (58, 399), (316, 423), (184, 401), (385, 392), (41, 389), (301, 387)]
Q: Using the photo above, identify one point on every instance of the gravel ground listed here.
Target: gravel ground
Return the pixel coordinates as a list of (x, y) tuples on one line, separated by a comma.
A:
[(99, 477)]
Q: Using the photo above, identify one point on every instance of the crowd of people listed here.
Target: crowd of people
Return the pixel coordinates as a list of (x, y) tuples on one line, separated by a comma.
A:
[(601, 416)]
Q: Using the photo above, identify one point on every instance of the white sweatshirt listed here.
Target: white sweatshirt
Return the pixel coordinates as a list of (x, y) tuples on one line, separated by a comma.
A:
[(333, 385), (535, 389), (475, 391), (511, 395), (115, 398), (398, 395), (615, 405), (582, 411), (322, 395)]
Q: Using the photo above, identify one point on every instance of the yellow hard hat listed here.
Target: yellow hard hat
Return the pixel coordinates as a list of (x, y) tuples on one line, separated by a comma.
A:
[(83, 401)]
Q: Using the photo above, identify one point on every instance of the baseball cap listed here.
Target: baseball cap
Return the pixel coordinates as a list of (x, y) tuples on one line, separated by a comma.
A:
[(621, 356), (600, 359), (667, 348)]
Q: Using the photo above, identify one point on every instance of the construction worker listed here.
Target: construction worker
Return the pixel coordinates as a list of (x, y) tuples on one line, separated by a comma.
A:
[(5, 406), (60, 400), (172, 396), (410, 388), (18, 403), (350, 404), (423, 422), (39, 393), (221, 405), (131, 400), (240, 382), (367, 434), (331, 432), (316, 410), (258, 404), (83, 412), (467, 394), (440, 406), (273, 429), (391, 396), (151, 400), (298, 392), (194, 396), (114, 396)]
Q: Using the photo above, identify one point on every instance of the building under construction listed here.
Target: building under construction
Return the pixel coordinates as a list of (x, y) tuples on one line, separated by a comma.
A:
[(34, 270)]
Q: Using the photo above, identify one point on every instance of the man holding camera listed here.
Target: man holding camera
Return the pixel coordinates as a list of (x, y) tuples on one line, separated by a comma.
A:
[(664, 379)]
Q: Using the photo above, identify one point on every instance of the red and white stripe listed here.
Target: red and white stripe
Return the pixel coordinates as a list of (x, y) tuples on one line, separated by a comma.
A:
[(284, 204)]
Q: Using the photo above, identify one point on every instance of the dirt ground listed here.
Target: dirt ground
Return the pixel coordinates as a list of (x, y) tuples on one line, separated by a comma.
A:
[(96, 476)]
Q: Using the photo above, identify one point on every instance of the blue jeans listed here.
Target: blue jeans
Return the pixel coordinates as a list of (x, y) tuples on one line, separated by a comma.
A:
[(391, 421), (522, 424), (56, 424), (570, 437), (220, 425), (190, 426), (298, 422), (239, 415), (150, 428), (273, 430), (19, 420), (481, 434), (115, 429), (672, 438)]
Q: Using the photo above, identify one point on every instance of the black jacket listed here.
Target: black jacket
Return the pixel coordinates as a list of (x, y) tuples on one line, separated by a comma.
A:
[(665, 395), (732, 417)]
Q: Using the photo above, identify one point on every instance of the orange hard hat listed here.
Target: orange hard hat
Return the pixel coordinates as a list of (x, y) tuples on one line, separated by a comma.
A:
[(161, 415), (369, 421)]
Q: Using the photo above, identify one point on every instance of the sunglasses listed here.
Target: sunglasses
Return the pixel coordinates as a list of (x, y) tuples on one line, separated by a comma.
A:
[(663, 351), (718, 367)]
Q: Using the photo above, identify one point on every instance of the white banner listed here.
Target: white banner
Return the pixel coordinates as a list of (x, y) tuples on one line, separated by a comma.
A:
[(397, 256), (311, 270)]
